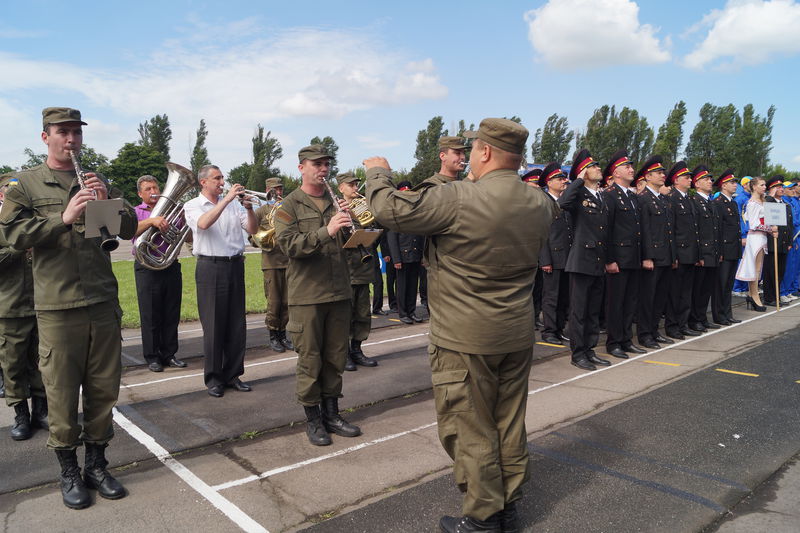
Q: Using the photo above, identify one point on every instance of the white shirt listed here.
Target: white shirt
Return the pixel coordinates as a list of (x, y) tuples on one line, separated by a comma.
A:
[(596, 194), (649, 188), (224, 238), (703, 195)]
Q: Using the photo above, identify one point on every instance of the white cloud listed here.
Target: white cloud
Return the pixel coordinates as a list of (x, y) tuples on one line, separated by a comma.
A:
[(296, 73), (747, 32), (375, 142), (796, 159), (575, 34)]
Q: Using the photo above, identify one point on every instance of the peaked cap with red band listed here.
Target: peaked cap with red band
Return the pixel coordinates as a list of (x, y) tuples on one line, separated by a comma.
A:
[(725, 177), (532, 175), (700, 172), (655, 163), (583, 160), (774, 181), (552, 170), (678, 169)]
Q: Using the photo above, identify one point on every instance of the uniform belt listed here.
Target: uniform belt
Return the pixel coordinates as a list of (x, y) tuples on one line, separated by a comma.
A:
[(220, 258)]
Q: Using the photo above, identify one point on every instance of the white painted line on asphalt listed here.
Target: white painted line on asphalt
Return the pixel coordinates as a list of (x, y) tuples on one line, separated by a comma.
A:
[(193, 330), (287, 468), (236, 515)]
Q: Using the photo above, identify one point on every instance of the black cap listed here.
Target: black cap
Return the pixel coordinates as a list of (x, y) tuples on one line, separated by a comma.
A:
[(725, 177), (700, 172), (619, 158), (583, 159), (531, 175), (677, 170), (777, 179), (552, 170), (654, 163)]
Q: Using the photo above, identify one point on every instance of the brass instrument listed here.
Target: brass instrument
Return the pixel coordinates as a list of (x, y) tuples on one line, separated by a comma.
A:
[(347, 231), (180, 181), (110, 242), (264, 238), (361, 210)]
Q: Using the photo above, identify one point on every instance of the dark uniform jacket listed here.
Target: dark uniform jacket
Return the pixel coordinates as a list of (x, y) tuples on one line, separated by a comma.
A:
[(589, 217), (16, 284), (625, 232), (687, 242), (405, 247), (730, 243), (275, 258), (556, 249), (785, 233), (656, 223), (70, 270), (318, 271), (707, 231), (481, 261)]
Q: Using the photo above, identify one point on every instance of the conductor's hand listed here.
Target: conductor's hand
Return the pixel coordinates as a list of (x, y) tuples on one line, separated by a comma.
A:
[(160, 223), (234, 192), (76, 206), (96, 184), (338, 221), (380, 162)]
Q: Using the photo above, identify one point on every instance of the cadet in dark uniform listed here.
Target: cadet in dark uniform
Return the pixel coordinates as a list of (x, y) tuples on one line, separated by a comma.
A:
[(479, 259), (19, 340), (532, 179), (775, 194), (658, 253), (687, 249), (361, 275), (75, 297), (273, 265), (308, 227), (730, 246), (553, 259), (624, 261), (406, 251), (705, 275), (586, 262)]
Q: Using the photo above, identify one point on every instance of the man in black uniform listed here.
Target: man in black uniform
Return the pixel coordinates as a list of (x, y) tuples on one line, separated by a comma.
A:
[(687, 248), (624, 256), (587, 258), (730, 248), (553, 259), (658, 253), (705, 275), (532, 180), (406, 250), (775, 194)]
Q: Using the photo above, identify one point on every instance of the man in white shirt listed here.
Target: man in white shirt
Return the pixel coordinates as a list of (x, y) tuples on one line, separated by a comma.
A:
[(217, 222)]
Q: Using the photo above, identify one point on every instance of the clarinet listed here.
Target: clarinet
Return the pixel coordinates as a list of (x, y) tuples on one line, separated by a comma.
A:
[(348, 230), (110, 242)]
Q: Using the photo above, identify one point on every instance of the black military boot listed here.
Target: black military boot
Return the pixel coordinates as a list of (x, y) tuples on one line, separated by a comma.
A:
[(22, 422), (358, 356), (39, 412), (314, 428), (509, 520), (467, 524), (289, 345), (349, 365), (96, 475), (73, 490), (2, 384), (334, 422), (275, 341)]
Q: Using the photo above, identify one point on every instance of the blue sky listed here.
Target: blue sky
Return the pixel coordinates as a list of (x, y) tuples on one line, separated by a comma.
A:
[(371, 74)]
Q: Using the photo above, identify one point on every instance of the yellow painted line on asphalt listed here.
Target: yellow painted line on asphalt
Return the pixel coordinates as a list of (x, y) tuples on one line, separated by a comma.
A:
[(394, 320), (748, 374), (553, 345), (660, 363)]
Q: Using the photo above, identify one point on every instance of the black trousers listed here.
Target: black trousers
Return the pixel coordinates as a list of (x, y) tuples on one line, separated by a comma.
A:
[(586, 298), (377, 285), (769, 276), (391, 285), (407, 281), (679, 303), (423, 285), (622, 297), (538, 287), (555, 302), (705, 278), (653, 291), (723, 286), (159, 293), (220, 303)]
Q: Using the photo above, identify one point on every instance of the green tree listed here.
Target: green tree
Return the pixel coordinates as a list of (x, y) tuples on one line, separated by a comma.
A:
[(5, 169), (670, 134), (240, 174), (199, 152), (132, 161), (552, 142), (608, 131), (266, 151), (92, 160), (34, 159), (427, 151), (332, 148), (752, 142), (156, 134), (711, 141)]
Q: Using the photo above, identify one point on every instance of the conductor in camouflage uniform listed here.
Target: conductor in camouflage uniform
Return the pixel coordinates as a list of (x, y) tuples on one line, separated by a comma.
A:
[(75, 297), (19, 340), (273, 265), (481, 266), (308, 228)]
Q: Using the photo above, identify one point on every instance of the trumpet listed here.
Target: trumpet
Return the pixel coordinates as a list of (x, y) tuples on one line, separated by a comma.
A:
[(110, 242)]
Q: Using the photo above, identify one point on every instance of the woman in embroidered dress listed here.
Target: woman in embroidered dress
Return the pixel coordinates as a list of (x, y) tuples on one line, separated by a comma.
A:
[(756, 244)]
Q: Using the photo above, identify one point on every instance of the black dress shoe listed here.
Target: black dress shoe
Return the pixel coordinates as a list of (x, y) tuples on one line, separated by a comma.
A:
[(415, 318), (240, 385), (563, 337), (155, 366), (618, 353), (466, 524), (675, 335), (768, 304), (653, 345), (174, 361), (379, 312), (406, 320), (722, 322), (631, 348), (690, 333), (734, 321), (663, 340), (696, 327), (583, 363), (709, 325), (596, 360), (552, 340), (217, 391), (538, 324)]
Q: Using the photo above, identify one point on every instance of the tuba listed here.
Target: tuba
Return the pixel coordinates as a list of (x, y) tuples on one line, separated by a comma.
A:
[(147, 249)]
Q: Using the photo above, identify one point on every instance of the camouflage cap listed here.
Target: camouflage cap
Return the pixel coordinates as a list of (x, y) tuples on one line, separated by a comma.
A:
[(57, 115), (454, 143), (501, 133), (314, 152), (271, 183), (346, 177)]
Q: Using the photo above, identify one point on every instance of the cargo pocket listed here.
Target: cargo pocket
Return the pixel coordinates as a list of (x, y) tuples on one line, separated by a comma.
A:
[(2, 346), (45, 360), (451, 391), (294, 327)]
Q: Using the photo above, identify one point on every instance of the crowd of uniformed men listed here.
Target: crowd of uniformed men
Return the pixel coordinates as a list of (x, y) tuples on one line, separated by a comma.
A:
[(614, 246)]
